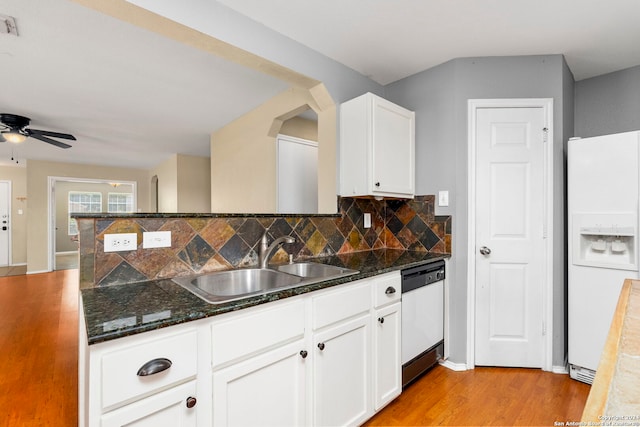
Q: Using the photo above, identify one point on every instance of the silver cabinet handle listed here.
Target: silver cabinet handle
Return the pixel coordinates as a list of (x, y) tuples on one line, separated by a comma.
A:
[(154, 366), (485, 250)]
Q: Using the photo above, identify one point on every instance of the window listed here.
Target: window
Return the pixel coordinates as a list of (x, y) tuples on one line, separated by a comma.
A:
[(80, 202), (120, 203)]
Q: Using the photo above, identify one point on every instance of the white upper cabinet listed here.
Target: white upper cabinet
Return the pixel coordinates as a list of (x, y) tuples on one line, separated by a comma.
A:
[(377, 148)]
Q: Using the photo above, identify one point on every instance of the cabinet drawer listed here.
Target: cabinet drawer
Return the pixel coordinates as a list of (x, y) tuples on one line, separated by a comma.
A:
[(120, 381), (165, 409), (387, 289), (248, 332), (340, 304)]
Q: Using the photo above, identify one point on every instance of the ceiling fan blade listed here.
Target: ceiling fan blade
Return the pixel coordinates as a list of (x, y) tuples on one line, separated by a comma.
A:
[(49, 133), (49, 140)]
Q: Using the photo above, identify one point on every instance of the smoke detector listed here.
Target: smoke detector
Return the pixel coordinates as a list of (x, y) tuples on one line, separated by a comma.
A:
[(8, 25)]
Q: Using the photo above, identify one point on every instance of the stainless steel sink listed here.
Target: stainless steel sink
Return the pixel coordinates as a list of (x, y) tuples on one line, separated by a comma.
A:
[(230, 285), (224, 286), (314, 269)]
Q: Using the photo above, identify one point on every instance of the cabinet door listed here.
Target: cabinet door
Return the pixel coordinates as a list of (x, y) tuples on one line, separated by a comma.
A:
[(393, 161), (265, 390), (341, 373), (165, 409), (387, 358)]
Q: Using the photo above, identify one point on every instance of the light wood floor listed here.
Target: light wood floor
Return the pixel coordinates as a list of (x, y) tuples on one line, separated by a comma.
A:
[(486, 396), (39, 356)]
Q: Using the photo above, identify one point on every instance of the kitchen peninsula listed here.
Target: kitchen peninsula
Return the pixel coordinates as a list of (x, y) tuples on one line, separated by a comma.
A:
[(189, 354)]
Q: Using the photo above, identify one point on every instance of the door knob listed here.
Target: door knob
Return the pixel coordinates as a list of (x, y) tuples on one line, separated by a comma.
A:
[(485, 250)]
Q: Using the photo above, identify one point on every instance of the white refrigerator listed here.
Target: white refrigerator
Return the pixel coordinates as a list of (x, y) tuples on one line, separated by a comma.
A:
[(602, 191)]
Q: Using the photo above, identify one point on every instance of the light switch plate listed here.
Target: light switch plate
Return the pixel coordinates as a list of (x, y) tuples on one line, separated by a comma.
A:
[(443, 198), (156, 239)]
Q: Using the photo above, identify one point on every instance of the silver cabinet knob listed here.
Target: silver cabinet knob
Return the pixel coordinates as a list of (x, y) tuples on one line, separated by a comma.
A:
[(485, 250)]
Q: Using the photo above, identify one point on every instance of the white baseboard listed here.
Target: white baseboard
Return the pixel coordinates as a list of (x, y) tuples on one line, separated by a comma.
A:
[(564, 369), (454, 366), (20, 264), (559, 369), (67, 253), (38, 271)]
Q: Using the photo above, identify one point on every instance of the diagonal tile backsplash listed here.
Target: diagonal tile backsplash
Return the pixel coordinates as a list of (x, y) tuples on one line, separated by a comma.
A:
[(203, 244)]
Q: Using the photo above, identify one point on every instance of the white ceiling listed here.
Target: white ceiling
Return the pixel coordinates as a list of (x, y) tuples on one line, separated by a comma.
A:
[(388, 40), (133, 98)]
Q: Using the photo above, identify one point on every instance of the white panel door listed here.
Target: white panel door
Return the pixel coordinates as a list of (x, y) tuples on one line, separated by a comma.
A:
[(509, 236), (5, 223)]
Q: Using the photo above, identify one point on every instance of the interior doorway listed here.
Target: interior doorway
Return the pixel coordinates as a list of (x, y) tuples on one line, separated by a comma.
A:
[(81, 195), (297, 175)]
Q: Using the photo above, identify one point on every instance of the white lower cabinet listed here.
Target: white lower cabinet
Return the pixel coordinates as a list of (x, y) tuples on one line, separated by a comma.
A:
[(321, 358), (268, 389), (341, 373), (166, 409), (387, 359), (149, 379)]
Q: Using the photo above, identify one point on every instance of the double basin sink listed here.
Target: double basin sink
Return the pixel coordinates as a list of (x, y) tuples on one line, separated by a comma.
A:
[(224, 286)]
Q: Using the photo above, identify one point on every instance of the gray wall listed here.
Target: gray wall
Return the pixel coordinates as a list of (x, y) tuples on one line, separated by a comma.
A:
[(439, 96), (608, 104)]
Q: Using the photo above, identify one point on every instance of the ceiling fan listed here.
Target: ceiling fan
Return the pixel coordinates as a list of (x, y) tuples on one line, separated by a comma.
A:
[(13, 128)]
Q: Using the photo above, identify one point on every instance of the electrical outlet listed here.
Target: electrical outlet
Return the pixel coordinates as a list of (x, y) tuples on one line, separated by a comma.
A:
[(367, 220), (156, 239), (120, 242)]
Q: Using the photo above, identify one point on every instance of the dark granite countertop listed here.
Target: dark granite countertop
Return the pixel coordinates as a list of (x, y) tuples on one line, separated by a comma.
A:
[(117, 311)]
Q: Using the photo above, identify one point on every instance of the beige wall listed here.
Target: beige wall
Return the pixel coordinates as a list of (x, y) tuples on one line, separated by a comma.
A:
[(243, 154), (38, 198), (18, 177), (194, 184), (301, 128), (167, 173), (63, 240), (184, 184)]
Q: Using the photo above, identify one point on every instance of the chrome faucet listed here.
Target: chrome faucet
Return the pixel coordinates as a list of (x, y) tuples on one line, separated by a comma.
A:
[(265, 249)]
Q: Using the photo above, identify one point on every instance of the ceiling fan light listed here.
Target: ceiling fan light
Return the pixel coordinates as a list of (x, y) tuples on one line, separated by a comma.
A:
[(13, 136)]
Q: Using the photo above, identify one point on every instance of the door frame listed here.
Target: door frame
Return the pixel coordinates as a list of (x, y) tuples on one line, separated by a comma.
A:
[(10, 213), (51, 208), (548, 233)]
